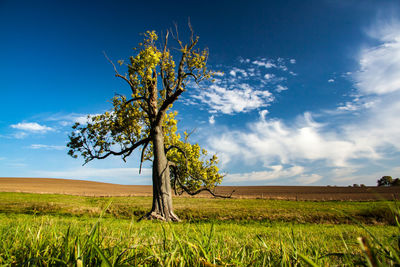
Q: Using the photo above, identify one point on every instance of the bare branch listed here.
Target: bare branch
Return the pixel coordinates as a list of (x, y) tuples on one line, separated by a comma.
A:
[(202, 190), (191, 30), (164, 76), (119, 75), (142, 156), (125, 152)]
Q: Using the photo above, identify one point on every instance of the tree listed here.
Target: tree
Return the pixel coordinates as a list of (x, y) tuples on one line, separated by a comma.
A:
[(385, 181), (144, 120), (395, 182)]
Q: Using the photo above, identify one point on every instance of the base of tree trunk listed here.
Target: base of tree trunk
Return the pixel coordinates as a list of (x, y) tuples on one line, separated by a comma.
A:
[(152, 215)]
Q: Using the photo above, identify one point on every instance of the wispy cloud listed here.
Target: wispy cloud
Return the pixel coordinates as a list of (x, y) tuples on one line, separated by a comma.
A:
[(308, 179), (31, 127), (380, 65), (274, 172), (281, 88), (47, 147), (68, 119)]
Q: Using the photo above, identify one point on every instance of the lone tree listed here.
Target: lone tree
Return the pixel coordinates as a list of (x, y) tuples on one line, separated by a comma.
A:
[(144, 120), (388, 181), (385, 181)]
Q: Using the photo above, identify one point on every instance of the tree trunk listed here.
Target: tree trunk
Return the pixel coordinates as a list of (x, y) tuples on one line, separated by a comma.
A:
[(162, 194)]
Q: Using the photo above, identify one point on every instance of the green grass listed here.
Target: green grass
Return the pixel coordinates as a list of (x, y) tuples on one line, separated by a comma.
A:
[(48, 230), (202, 209)]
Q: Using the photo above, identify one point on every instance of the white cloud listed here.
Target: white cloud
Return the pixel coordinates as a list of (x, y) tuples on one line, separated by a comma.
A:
[(46, 147), (31, 127), (281, 88), (269, 76), (228, 101), (292, 61), (248, 87), (211, 120), (271, 141), (266, 64), (331, 80), (263, 114), (380, 66), (69, 119), (276, 172)]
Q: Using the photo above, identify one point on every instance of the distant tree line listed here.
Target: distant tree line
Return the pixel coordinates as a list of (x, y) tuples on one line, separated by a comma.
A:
[(388, 181)]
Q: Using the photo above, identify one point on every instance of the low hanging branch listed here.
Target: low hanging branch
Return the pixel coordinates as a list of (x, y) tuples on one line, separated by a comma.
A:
[(177, 178)]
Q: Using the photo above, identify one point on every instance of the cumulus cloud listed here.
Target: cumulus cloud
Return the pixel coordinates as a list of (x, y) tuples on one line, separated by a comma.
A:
[(271, 141), (331, 80), (229, 101), (31, 127)]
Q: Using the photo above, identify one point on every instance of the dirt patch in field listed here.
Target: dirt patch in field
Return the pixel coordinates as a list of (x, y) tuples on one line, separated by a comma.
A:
[(88, 188)]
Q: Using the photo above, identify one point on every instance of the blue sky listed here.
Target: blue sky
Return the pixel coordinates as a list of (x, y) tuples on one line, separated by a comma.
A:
[(308, 92)]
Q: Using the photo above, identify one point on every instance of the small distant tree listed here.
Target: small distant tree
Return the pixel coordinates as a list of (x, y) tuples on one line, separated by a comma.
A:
[(385, 181), (396, 182), (144, 120)]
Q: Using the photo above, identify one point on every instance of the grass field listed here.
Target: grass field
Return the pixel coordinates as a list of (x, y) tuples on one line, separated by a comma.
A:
[(46, 229)]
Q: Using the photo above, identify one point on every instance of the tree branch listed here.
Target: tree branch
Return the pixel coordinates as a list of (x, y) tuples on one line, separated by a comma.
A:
[(142, 156), (133, 89), (203, 189), (163, 76), (134, 99), (187, 190), (126, 152)]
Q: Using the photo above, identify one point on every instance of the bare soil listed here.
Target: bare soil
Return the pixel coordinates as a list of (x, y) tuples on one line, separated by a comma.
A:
[(89, 188)]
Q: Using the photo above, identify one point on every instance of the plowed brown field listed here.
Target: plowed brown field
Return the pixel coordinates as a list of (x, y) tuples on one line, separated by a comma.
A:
[(88, 188)]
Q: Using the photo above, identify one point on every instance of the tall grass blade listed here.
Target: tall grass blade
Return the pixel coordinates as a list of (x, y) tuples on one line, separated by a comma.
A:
[(308, 260)]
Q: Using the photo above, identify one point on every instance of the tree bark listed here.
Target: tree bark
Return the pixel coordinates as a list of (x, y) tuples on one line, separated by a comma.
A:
[(162, 208)]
